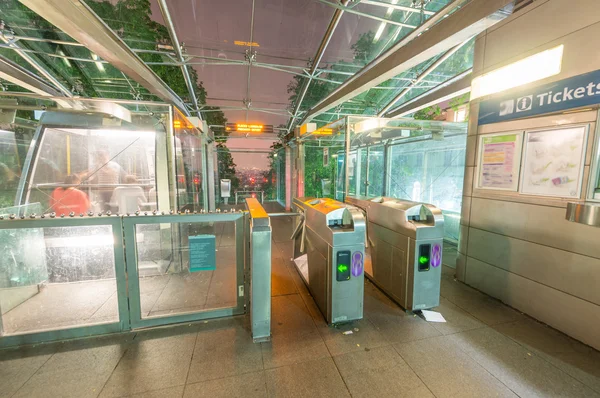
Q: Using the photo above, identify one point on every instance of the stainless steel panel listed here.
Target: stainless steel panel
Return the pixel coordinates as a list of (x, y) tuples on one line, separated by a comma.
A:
[(327, 227), (397, 229), (571, 315), (569, 272), (540, 224), (584, 213)]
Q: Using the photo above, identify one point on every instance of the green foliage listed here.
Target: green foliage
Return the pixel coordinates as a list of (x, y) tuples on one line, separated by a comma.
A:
[(315, 172), (429, 113)]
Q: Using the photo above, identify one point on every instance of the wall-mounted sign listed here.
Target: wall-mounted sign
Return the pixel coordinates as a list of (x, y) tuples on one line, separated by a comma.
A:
[(574, 92), (325, 157), (202, 253), (499, 161), (249, 128), (553, 162)]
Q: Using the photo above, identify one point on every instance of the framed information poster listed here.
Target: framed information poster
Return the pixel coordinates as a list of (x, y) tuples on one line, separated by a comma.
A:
[(499, 161), (553, 162)]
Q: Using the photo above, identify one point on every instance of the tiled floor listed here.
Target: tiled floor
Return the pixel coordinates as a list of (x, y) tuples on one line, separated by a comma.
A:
[(485, 349)]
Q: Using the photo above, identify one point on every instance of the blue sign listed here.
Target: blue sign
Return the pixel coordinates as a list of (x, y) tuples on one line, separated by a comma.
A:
[(575, 92), (202, 253)]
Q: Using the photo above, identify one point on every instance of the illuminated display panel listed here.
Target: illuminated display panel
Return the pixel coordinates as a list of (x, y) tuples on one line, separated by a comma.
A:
[(248, 128)]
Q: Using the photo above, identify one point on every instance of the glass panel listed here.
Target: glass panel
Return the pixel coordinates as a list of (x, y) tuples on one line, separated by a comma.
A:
[(13, 150), (319, 179), (432, 172), (188, 152), (173, 280), (57, 277), (80, 170), (376, 171)]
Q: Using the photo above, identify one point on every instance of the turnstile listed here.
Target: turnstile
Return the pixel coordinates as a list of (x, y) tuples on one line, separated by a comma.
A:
[(329, 243), (404, 254)]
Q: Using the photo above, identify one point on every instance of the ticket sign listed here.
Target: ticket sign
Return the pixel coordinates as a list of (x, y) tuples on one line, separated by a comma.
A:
[(202, 253), (574, 92), (499, 161)]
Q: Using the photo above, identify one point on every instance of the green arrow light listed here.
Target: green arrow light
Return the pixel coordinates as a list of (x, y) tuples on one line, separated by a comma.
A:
[(423, 259), (342, 268)]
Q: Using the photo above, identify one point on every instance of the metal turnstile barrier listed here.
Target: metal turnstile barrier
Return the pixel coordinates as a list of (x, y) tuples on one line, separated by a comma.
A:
[(260, 271), (404, 255), (329, 244)]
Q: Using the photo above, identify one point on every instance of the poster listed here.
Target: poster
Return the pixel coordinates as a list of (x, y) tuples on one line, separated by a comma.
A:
[(202, 253), (553, 162), (499, 161)]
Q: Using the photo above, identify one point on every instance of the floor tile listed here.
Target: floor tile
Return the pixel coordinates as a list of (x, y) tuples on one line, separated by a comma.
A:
[(525, 373), (354, 336), (224, 352), (379, 372), (448, 371), (289, 314), (153, 363), (540, 337), (584, 367), (289, 348), (248, 385), (399, 328), (457, 320), (282, 282), (319, 378), (485, 308), (171, 392), (76, 373), (15, 371)]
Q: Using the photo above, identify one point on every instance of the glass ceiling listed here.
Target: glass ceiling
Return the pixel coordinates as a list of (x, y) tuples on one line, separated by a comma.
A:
[(248, 59)]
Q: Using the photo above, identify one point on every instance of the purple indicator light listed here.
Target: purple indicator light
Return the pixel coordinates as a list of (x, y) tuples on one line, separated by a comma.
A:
[(436, 255), (357, 264)]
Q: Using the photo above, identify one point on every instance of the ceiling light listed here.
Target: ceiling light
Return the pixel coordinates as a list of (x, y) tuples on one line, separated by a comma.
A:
[(388, 14), (98, 63), (533, 68)]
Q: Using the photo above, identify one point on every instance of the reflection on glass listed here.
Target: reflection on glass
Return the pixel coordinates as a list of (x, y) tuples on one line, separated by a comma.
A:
[(176, 274), (13, 149), (80, 170), (432, 172), (57, 277), (189, 165)]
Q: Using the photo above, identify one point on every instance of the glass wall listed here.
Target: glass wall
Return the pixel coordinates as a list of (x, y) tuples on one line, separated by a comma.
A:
[(281, 174), (320, 169), (425, 162), (432, 172), (189, 152)]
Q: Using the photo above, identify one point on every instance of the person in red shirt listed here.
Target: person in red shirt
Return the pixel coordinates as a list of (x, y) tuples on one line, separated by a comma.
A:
[(69, 199)]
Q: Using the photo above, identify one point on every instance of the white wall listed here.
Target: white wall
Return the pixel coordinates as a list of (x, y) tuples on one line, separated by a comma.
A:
[(520, 248)]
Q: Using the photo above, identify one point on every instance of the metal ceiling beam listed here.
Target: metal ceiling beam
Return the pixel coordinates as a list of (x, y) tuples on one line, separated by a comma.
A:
[(458, 85), (420, 78), (164, 9), (396, 6), (425, 42), (20, 76), (364, 14), (35, 64), (335, 19), (75, 18)]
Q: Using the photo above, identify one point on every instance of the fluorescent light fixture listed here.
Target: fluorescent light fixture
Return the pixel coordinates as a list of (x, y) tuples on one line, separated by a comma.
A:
[(533, 68), (379, 32), (388, 14), (98, 64), (65, 60)]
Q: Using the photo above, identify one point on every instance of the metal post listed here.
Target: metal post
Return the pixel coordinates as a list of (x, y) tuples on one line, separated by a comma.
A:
[(260, 271), (347, 159), (335, 19)]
